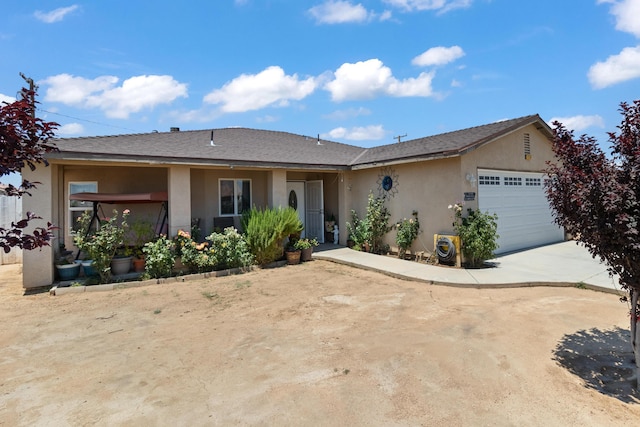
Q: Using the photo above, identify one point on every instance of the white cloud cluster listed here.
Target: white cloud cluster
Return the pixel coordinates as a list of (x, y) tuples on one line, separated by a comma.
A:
[(627, 14), (626, 64), (135, 93), (70, 129), (55, 15), (364, 133), (7, 99), (255, 91), (368, 79), (441, 6), (616, 68), (579, 123), (438, 55), (339, 12)]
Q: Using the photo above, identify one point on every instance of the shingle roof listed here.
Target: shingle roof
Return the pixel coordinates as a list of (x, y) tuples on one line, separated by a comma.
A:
[(448, 144), (232, 146), (242, 146)]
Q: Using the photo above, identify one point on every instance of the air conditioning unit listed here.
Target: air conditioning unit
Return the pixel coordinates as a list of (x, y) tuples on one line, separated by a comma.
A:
[(448, 249)]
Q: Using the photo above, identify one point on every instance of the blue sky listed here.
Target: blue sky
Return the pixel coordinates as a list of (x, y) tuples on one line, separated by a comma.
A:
[(358, 72)]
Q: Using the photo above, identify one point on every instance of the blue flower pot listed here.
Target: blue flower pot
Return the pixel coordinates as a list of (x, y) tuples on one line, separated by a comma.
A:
[(68, 271), (89, 270)]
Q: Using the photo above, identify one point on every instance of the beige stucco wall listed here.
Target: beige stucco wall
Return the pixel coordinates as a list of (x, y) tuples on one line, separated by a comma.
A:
[(38, 263), (431, 186), (507, 153), (427, 187), (115, 179)]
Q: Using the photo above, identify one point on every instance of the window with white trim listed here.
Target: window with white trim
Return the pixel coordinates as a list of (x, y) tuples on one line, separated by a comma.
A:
[(78, 207), (512, 180), (234, 196), (489, 180)]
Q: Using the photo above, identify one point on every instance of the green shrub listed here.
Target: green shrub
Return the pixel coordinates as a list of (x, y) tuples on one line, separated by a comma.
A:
[(266, 229), (159, 257), (101, 244), (373, 227), (197, 257), (358, 230), (230, 249), (478, 233), (407, 232)]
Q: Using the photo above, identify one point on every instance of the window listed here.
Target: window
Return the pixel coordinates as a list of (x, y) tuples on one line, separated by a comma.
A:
[(77, 207), (533, 182), (489, 180), (512, 180), (235, 196)]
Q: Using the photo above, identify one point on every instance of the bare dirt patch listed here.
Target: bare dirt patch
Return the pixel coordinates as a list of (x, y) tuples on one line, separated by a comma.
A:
[(313, 344)]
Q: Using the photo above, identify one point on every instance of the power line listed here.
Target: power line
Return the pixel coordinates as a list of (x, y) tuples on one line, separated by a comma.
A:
[(88, 121)]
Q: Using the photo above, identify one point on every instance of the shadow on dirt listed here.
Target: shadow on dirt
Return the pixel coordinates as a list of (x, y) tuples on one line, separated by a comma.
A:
[(603, 359)]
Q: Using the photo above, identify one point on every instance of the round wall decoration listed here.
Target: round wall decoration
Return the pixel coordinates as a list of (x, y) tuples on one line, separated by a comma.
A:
[(387, 182)]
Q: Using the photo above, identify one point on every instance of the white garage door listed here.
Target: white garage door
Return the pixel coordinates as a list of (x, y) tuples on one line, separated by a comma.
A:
[(524, 216)]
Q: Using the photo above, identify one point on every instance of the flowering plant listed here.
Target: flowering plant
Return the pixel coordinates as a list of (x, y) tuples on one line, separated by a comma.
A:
[(159, 257), (478, 233), (101, 244), (305, 243), (407, 232)]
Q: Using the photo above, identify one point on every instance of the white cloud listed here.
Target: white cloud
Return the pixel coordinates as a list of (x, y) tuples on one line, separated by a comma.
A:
[(616, 69), (7, 99), (55, 15), (579, 123), (339, 12), (439, 55), (135, 94), (70, 129), (348, 113), (373, 132), (367, 79), (441, 6), (627, 13), (254, 91)]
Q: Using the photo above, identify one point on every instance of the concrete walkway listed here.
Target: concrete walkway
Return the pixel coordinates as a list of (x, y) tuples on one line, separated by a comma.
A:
[(560, 264)]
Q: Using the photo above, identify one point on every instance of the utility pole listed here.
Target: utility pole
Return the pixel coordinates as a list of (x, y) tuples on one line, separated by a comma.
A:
[(31, 95), (399, 136)]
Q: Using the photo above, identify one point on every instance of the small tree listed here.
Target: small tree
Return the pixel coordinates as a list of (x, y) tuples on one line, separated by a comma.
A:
[(478, 232), (372, 228), (597, 199), (24, 141)]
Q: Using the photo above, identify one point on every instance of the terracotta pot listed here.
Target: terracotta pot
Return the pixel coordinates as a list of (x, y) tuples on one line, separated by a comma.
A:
[(306, 254), (138, 265), (293, 257)]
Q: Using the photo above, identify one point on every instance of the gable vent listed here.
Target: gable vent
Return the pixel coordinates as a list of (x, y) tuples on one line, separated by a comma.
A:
[(527, 147)]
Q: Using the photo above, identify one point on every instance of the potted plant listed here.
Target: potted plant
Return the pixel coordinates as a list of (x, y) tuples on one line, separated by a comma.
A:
[(306, 247), (101, 244), (291, 252), (67, 270), (141, 231)]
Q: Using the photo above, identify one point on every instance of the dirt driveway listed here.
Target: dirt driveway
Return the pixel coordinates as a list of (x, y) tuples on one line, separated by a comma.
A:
[(315, 344)]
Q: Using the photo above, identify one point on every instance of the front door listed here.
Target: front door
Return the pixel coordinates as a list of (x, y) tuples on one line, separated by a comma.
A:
[(314, 224), (296, 200)]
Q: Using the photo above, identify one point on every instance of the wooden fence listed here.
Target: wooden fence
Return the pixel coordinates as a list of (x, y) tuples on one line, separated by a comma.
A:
[(10, 211)]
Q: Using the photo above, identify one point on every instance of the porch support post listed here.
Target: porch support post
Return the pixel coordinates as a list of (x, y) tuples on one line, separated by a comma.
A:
[(277, 188), (37, 264), (179, 199), (344, 206)]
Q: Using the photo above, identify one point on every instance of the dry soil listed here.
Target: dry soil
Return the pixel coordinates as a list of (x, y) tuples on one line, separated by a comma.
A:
[(318, 344)]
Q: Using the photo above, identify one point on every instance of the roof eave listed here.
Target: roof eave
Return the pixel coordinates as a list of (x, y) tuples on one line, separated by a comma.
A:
[(156, 160)]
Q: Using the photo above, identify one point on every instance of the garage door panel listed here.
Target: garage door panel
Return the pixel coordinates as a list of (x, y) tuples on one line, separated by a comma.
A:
[(524, 216)]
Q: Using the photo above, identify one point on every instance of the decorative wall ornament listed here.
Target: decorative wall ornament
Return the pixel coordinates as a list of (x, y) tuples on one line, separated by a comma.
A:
[(387, 182)]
